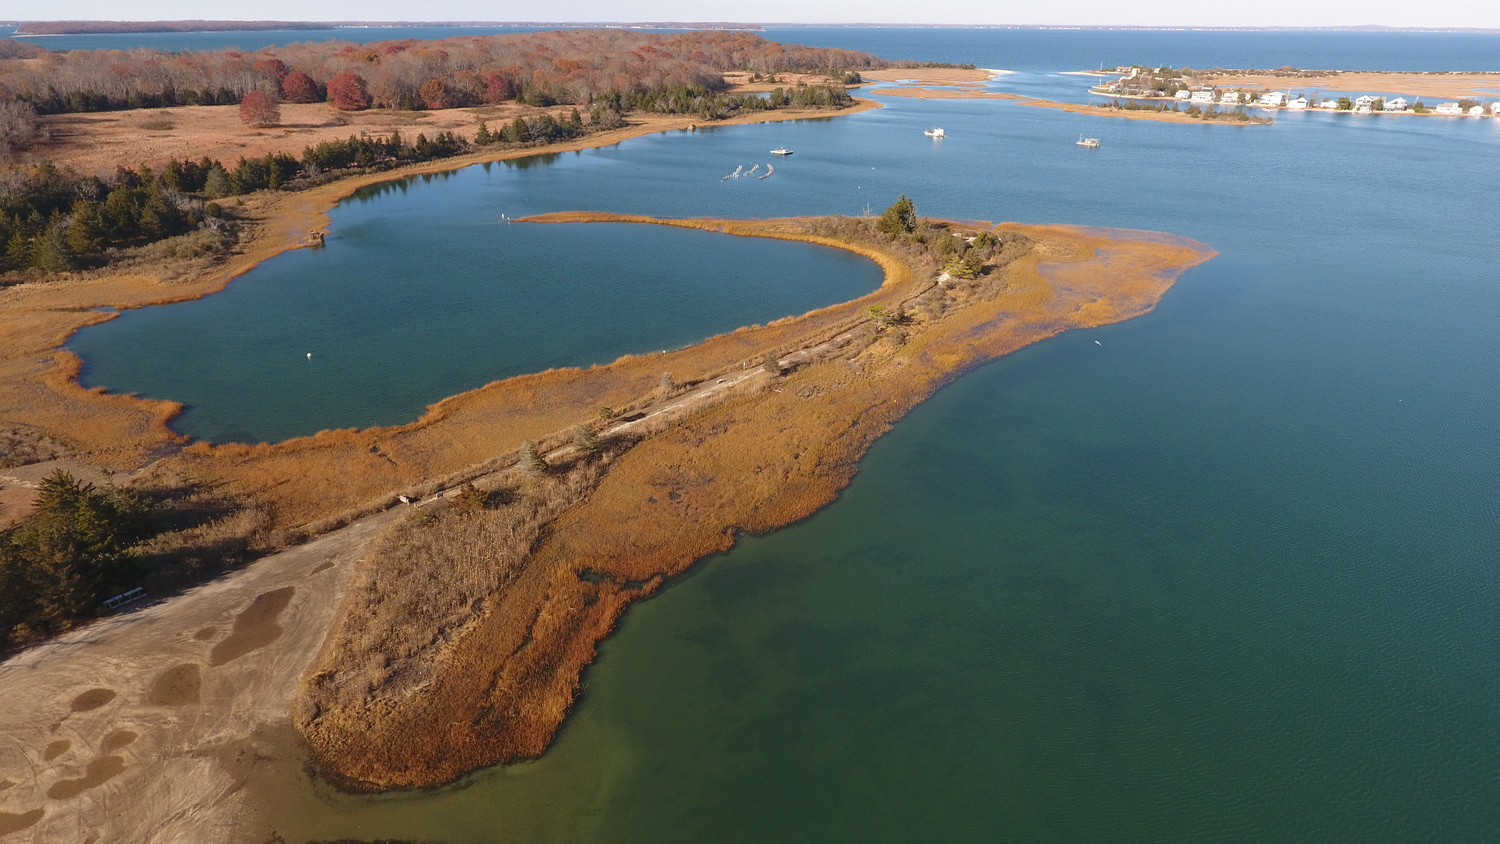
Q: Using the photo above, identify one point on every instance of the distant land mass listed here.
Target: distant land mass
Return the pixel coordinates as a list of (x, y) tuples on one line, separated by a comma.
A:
[(104, 27)]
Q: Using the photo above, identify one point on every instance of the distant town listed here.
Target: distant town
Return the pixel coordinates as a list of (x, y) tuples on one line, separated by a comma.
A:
[(1203, 88)]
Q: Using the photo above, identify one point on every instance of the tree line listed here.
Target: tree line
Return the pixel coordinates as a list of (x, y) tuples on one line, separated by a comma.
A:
[(540, 69), (73, 552), (54, 220)]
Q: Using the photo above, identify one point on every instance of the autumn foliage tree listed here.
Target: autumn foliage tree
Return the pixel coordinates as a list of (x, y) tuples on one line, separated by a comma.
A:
[(259, 109), (346, 92), (435, 94), (298, 87)]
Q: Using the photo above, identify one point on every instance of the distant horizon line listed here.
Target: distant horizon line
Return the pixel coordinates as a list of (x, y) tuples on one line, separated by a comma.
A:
[(235, 25)]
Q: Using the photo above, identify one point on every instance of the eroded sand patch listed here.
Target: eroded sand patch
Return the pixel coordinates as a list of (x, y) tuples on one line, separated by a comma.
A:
[(56, 749), (177, 686), (119, 739), (98, 772), (12, 822), (92, 699), (255, 627)]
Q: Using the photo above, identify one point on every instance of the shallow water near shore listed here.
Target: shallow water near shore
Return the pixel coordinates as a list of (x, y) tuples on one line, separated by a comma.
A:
[(1227, 573)]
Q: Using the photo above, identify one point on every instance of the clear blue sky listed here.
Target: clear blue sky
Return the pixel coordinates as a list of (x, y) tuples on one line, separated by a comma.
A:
[(1474, 13)]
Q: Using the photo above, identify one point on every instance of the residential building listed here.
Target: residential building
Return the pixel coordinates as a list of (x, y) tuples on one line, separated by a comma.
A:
[(1398, 104), (1476, 111), (1366, 102), (1274, 99), (1297, 103), (1204, 96), (1185, 93), (1229, 98), (1450, 109)]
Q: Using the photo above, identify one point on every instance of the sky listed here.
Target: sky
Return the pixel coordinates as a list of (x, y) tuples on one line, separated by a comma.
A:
[(1399, 13)]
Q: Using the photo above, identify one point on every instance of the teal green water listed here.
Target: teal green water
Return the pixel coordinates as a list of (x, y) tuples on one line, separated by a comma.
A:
[(1226, 575), (463, 300)]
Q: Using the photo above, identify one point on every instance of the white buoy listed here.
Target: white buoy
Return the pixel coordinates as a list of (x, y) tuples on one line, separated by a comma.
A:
[(309, 355)]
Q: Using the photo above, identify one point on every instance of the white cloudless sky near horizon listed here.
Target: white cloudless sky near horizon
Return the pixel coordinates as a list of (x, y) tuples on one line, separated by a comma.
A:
[(1172, 13)]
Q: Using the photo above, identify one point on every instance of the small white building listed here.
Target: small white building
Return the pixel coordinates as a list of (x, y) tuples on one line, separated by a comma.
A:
[(1366, 102), (1329, 104), (1495, 108), (1450, 109), (1229, 98), (1273, 99), (1185, 93), (1398, 104), (1476, 111), (1204, 96), (1297, 103)]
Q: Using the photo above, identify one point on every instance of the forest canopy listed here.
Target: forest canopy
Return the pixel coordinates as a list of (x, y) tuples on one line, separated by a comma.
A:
[(539, 68)]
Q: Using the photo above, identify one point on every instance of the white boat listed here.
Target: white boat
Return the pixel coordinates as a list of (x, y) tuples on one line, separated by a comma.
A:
[(935, 133), (781, 151), (1091, 143)]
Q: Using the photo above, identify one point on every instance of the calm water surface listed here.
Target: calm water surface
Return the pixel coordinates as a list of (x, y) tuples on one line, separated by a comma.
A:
[(1227, 575)]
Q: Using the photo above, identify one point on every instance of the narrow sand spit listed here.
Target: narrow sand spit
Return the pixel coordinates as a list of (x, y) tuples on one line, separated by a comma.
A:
[(145, 726)]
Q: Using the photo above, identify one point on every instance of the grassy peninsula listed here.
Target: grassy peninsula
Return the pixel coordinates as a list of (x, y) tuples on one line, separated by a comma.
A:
[(542, 554)]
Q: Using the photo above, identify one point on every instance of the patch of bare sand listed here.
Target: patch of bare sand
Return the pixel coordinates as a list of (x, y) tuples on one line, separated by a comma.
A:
[(929, 75), (123, 730)]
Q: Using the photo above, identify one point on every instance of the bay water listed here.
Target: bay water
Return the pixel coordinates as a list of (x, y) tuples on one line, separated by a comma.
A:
[(1226, 574)]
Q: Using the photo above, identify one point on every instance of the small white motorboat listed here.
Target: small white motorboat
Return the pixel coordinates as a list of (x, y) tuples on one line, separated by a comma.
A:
[(781, 151), (936, 133), (1091, 143)]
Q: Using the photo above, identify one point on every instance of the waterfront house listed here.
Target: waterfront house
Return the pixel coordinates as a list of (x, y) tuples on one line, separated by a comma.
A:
[(1476, 111), (1366, 102), (1398, 104), (1450, 109), (1229, 98), (1297, 103), (1329, 104), (1183, 94), (1204, 96), (1273, 99), (1495, 108)]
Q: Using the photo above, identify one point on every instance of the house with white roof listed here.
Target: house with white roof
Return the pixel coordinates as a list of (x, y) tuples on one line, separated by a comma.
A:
[(1329, 104), (1297, 103), (1229, 98), (1398, 104), (1495, 108), (1274, 99), (1450, 109), (1183, 94), (1476, 111), (1204, 96), (1365, 102)]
